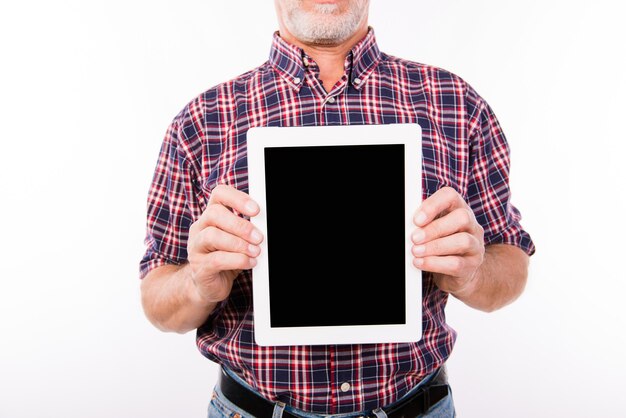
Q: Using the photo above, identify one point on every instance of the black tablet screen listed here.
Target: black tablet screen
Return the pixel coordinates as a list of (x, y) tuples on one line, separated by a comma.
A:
[(336, 235)]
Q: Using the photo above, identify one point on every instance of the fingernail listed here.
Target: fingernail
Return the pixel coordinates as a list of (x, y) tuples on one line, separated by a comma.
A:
[(418, 262), (418, 236), (254, 250), (419, 249), (256, 236), (251, 206), (420, 218), (252, 262)]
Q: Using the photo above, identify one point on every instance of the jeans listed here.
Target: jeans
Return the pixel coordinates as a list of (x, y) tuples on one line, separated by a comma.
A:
[(220, 407)]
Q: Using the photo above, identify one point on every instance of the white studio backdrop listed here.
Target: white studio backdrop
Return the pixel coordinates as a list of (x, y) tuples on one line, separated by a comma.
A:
[(87, 90)]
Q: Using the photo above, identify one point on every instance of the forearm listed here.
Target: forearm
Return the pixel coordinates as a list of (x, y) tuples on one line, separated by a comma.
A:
[(500, 279), (170, 300)]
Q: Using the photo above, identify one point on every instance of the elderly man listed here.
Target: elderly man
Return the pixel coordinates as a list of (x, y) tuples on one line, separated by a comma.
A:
[(325, 68)]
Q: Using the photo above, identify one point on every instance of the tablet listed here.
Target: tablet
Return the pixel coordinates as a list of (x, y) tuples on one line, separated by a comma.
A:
[(337, 204)]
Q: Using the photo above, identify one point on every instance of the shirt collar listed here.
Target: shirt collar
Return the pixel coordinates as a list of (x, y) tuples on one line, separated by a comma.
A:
[(289, 60)]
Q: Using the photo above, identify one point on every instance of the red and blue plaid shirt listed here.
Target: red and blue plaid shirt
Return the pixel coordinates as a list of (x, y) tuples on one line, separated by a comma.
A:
[(463, 147)]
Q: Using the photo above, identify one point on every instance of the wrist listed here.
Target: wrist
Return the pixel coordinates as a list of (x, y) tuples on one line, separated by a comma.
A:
[(194, 295), (470, 287)]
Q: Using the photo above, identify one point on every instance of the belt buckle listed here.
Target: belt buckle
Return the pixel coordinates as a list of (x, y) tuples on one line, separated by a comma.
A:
[(376, 413)]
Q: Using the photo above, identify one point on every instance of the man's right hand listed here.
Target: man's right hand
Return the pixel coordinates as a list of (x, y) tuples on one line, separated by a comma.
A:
[(221, 243)]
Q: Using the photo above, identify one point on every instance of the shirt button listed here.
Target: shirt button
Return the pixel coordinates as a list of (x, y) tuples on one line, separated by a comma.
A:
[(297, 80), (305, 61), (331, 100), (357, 81), (345, 386)]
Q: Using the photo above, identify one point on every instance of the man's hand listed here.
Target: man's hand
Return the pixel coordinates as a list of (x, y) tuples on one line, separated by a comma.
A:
[(221, 244), (448, 241), (180, 297)]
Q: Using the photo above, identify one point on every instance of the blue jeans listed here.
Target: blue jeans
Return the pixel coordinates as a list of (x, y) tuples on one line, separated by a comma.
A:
[(220, 407)]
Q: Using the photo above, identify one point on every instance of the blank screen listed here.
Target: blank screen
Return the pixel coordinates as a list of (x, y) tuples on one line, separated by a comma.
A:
[(336, 235)]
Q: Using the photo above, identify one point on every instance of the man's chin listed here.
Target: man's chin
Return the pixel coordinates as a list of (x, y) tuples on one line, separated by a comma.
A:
[(324, 39)]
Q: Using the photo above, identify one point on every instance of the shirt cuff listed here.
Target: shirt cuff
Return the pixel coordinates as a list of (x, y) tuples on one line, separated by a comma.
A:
[(514, 235), (155, 260)]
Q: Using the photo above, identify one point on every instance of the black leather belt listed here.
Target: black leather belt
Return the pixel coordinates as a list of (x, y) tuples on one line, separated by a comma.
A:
[(255, 405)]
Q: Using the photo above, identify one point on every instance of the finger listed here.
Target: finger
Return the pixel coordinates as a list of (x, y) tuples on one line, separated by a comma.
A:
[(456, 266), (218, 261), (220, 217), (443, 201), (457, 244), (214, 239), (234, 199), (459, 220)]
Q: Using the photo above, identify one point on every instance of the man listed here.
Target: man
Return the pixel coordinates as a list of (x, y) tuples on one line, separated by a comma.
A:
[(325, 69)]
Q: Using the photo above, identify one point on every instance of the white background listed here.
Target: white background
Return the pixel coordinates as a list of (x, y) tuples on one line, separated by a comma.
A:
[(87, 89)]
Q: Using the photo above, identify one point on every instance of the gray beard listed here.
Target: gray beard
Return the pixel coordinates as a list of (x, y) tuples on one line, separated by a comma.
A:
[(327, 29)]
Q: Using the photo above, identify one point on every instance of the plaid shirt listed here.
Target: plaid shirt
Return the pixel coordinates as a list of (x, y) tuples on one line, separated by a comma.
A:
[(463, 147)]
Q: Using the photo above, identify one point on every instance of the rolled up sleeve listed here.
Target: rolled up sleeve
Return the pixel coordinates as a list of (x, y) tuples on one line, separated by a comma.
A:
[(173, 203), (488, 191)]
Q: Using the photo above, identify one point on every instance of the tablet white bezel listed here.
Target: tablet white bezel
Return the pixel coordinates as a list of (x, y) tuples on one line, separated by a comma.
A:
[(408, 135)]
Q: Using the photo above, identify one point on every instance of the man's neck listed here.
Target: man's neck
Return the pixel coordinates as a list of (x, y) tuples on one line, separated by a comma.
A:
[(329, 58)]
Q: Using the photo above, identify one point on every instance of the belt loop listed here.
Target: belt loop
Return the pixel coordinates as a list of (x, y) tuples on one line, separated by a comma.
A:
[(427, 404), (379, 413), (279, 407)]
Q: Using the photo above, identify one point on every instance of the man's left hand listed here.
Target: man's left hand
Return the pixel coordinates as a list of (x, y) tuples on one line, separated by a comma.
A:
[(448, 241)]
